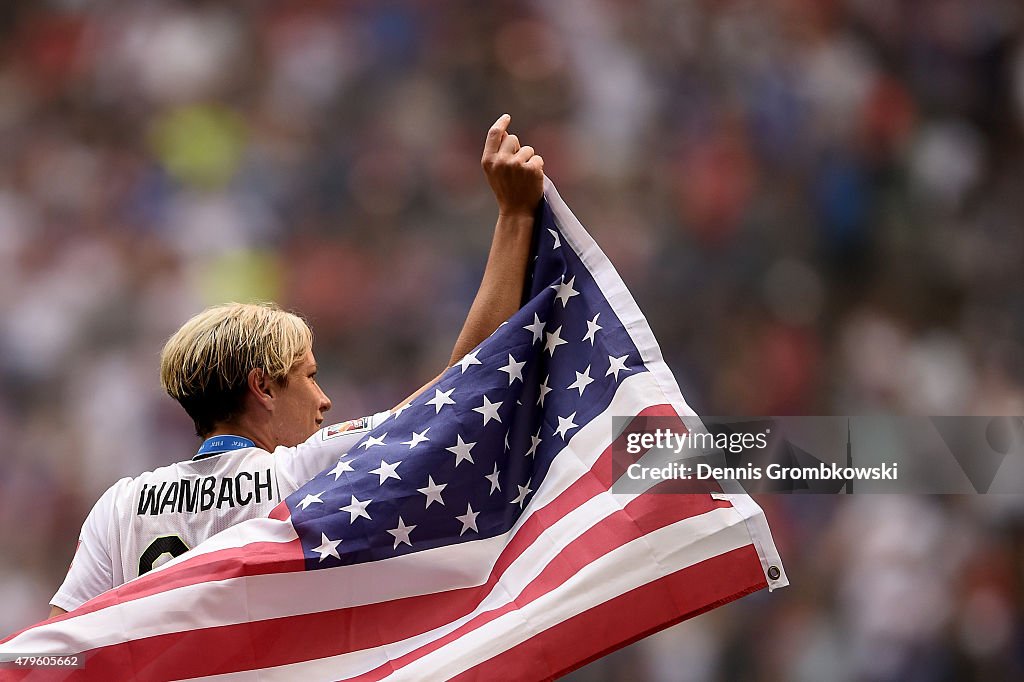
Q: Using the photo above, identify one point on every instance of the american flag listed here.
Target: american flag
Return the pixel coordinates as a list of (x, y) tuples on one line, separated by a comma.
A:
[(473, 535)]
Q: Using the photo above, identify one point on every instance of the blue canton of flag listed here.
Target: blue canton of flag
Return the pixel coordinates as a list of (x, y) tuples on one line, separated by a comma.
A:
[(463, 459)]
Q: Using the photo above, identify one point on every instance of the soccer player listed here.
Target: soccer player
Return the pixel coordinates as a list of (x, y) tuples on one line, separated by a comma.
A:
[(246, 375)]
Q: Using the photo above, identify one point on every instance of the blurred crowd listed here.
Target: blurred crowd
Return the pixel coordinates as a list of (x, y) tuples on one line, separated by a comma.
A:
[(817, 203)]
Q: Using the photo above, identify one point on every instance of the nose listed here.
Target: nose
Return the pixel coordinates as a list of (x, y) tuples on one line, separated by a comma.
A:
[(325, 402)]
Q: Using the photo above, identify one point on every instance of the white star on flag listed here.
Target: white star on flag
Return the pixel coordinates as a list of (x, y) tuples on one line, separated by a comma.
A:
[(402, 533), (340, 468), (592, 328), (537, 328), (544, 390), (553, 341), (327, 547), (493, 478), (524, 490), (356, 509), (310, 499), (417, 438), (432, 491), (489, 410), (565, 424), (468, 520), (582, 381), (536, 440), (386, 471), (565, 290), (468, 360), (513, 369), (440, 399), (375, 440), (462, 451), (558, 242), (616, 365)]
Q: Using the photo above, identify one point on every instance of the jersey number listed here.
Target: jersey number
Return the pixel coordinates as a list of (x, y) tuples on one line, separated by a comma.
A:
[(165, 544)]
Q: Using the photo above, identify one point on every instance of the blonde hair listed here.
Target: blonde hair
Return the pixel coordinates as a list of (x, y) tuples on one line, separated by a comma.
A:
[(205, 365)]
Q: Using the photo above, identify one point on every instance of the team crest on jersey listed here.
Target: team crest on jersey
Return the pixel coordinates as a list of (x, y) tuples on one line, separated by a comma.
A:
[(351, 426)]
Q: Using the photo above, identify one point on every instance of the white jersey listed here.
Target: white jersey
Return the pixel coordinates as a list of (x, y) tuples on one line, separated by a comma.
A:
[(140, 523)]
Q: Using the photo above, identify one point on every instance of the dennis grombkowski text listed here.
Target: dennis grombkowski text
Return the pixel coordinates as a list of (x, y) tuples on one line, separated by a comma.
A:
[(752, 472)]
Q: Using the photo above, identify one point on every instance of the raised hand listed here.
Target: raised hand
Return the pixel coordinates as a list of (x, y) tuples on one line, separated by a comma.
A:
[(515, 173)]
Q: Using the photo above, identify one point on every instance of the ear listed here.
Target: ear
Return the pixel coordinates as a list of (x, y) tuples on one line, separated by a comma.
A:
[(261, 388)]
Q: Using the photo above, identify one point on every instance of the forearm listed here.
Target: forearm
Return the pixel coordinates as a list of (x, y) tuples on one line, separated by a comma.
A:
[(501, 289), (516, 176)]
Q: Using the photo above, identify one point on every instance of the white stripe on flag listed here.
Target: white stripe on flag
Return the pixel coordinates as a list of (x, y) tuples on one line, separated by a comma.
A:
[(253, 530)]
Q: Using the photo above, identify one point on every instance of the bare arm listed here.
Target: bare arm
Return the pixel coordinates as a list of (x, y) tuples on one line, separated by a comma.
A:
[(56, 611), (516, 176)]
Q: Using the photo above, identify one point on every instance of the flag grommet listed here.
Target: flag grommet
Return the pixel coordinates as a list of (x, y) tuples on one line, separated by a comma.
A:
[(774, 573)]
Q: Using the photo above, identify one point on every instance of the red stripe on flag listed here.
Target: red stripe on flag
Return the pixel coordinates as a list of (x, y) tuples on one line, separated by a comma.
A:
[(608, 466), (657, 605), (257, 558), (280, 512)]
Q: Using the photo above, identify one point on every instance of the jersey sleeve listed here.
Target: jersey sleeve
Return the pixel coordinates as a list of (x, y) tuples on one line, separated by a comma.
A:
[(91, 571), (297, 465)]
